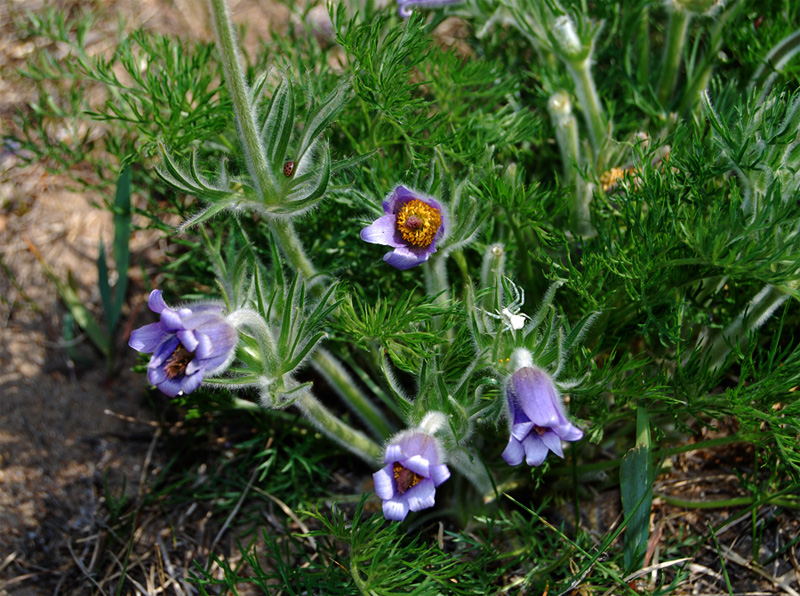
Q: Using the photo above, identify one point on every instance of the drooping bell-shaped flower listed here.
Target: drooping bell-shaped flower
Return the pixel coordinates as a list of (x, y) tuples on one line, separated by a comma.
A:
[(538, 420), (187, 344), (414, 468), (412, 224)]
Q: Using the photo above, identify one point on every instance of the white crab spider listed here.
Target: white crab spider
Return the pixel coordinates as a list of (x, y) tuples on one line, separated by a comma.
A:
[(510, 315)]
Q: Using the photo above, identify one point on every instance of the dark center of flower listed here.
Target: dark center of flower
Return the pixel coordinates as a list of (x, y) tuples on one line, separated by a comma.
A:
[(404, 478), (539, 430), (176, 363), (418, 223), (414, 223)]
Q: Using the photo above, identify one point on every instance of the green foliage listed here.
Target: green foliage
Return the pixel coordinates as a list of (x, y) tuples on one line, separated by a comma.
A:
[(679, 303), (170, 89)]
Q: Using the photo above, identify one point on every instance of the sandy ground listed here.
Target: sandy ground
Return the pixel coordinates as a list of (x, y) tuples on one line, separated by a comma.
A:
[(65, 424)]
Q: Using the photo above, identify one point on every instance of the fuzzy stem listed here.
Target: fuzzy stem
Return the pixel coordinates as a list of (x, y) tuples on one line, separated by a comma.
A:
[(758, 310), (292, 247), (355, 441), (335, 374), (676, 35), (560, 109), (585, 89), (245, 122)]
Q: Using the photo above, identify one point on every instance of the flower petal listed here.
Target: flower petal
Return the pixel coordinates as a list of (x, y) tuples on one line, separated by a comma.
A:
[(421, 496), (171, 320), (439, 474), (569, 432), (394, 453), (401, 258), (535, 450), (514, 452), (382, 231), (553, 442), (194, 366), (146, 339), (418, 465), (384, 482), (420, 443), (537, 396), (395, 509), (188, 339), (163, 351), (191, 382), (156, 374), (520, 430), (206, 348), (155, 302), (171, 387)]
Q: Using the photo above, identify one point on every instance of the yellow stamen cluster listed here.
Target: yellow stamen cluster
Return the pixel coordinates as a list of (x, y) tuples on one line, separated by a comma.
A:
[(609, 179), (418, 223), (176, 363), (404, 478)]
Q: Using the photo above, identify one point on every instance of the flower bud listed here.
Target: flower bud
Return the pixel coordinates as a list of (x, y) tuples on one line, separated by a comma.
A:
[(566, 36)]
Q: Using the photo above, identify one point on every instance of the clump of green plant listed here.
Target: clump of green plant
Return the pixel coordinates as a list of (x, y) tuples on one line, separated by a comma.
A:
[(590, 255)]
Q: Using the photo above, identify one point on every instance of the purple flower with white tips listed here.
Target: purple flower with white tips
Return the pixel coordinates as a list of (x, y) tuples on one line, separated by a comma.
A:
[(187, 344), (412, 224), (538, 420), (412, 472)]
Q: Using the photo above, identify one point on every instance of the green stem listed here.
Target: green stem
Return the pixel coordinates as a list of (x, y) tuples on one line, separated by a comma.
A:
[(345, 387), (757, 311), (585, 89), (463, 266), (676, 35), (245, 118), (292, 247), (702, 74), (581, 218), (355, 441), (643, 39), (723, 503)]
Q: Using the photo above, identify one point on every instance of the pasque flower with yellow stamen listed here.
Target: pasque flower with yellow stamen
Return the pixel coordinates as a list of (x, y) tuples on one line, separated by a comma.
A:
[(414, 467), (412, 224), (187, 344)]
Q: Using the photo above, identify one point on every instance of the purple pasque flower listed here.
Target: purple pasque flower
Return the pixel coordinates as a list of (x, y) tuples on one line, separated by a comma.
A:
[(404, 6), (187, 344), (538, 420), (412, 472), (412, 224)]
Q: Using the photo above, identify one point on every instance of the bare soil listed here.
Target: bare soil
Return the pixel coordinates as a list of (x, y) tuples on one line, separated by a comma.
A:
[(69, 430)]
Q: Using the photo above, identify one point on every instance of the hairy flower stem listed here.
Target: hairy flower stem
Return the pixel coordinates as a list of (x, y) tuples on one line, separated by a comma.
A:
[(757, 311), (560, 109), (336, 375), (245, 122), (251, 142), (585, 89), (355, 441), (676, 36), (292, 247)]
